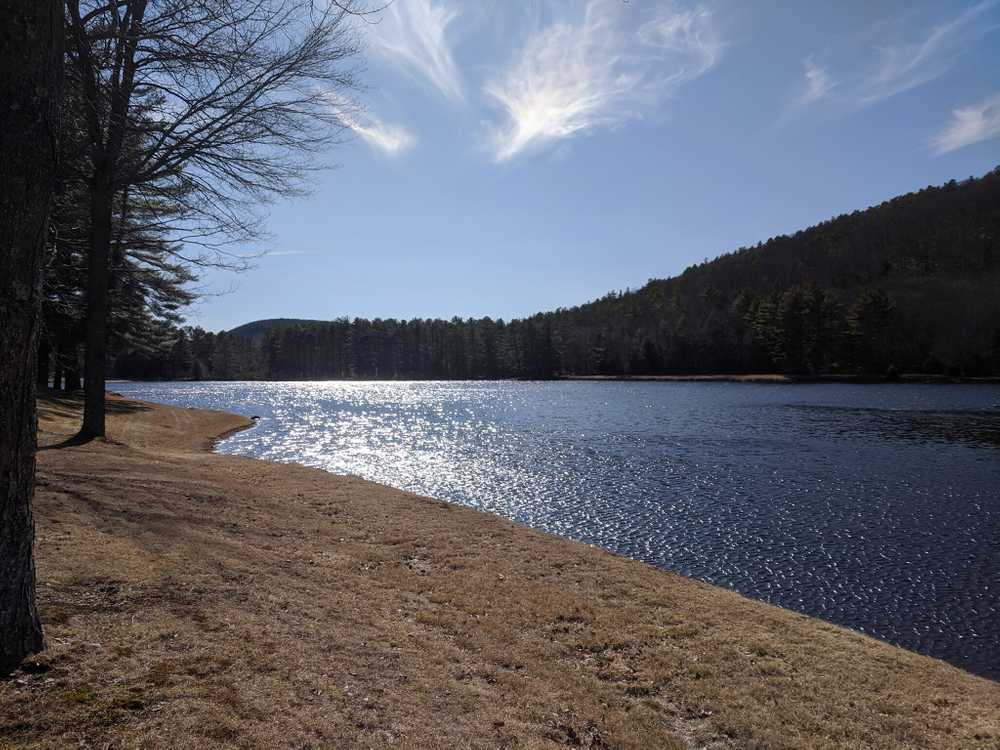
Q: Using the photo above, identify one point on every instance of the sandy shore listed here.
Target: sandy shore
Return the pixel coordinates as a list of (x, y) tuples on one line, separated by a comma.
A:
[(193, 600)]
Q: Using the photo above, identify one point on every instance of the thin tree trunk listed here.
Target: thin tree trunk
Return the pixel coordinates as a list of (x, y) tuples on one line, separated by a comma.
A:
[(30, 86), (72, 369), (97, 307), (64, 364), (57, 376), (42, 377)]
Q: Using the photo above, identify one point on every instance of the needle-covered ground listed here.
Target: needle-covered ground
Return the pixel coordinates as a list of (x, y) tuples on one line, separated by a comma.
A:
[(193, 600)]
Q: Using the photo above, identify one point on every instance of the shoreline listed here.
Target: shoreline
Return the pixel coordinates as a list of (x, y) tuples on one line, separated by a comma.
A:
[(779, 379), (753, 378), (235, 601)]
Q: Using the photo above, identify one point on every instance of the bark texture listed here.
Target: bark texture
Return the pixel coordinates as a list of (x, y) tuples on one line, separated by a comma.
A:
[(30, 85)]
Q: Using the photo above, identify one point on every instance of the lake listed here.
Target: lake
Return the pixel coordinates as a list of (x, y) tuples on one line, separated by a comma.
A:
[(876, 507)]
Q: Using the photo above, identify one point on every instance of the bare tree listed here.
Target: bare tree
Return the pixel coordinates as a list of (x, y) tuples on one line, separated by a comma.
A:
[(225, 104), (30, 85)]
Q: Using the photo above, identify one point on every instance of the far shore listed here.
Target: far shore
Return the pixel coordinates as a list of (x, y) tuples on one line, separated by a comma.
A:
[(758, 378), (200, 600), (778, 378)]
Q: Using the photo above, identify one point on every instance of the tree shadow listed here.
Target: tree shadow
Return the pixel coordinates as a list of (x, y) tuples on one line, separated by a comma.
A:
[(124, 406), (67, 443), (62, 405)]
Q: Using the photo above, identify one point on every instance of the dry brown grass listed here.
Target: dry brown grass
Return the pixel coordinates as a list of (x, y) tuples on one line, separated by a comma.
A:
[(194, 600)]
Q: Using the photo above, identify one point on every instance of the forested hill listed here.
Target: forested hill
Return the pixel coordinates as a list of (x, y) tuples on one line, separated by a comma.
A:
[(911, 282), (258, 329), (910, 285)]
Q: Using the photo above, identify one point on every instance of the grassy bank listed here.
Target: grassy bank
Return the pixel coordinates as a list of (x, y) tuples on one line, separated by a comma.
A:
[(195, 600)]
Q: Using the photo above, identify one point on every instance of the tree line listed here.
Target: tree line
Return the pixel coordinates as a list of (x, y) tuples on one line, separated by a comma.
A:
[(906, 286)]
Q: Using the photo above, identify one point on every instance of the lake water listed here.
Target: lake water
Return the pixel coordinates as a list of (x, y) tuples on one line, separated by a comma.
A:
[(875, 507)]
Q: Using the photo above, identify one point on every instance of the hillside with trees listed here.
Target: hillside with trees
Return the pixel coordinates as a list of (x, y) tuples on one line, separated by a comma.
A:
[(910, 285)]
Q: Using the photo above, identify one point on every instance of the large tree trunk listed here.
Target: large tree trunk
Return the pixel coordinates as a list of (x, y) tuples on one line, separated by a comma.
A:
[(97, 306), (30, 87)]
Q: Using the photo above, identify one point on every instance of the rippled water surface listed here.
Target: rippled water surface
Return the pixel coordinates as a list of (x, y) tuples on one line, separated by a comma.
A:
[(876, 507)]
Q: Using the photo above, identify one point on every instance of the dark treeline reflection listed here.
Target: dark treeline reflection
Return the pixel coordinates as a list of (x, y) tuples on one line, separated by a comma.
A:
[(910, 285)]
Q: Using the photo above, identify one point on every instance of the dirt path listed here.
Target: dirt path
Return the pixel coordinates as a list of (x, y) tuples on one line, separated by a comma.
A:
[(194, 600)]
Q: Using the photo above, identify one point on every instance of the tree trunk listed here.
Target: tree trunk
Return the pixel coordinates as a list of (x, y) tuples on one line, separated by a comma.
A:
[(30, 87), (57, 375), (42, 377), (97, 305), (67, 364), (102, 194), (72, 369)]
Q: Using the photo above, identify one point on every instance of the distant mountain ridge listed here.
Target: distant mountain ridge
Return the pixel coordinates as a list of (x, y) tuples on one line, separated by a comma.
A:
[(909, 285), (256, 330)]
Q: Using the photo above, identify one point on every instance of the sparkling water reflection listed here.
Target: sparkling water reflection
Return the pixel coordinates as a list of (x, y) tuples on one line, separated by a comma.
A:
[(876, 507)]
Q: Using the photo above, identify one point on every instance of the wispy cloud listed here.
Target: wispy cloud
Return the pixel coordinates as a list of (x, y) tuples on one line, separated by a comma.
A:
[(884, 61), (386, 137), (904, 65), (972, 124), (389, 138), (817, 84), (571, 78), (412, 34)]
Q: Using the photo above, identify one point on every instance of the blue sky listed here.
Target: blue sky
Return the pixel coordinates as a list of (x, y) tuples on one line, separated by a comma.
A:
[(514, 157)]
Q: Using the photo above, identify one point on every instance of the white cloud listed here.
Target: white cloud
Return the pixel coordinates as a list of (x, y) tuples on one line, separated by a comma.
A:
[(882, 62), (571, 78), (972, 124), (412, 34), (383, 136), (689, 35), (817, 84), (902, 66), (387, 137)]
